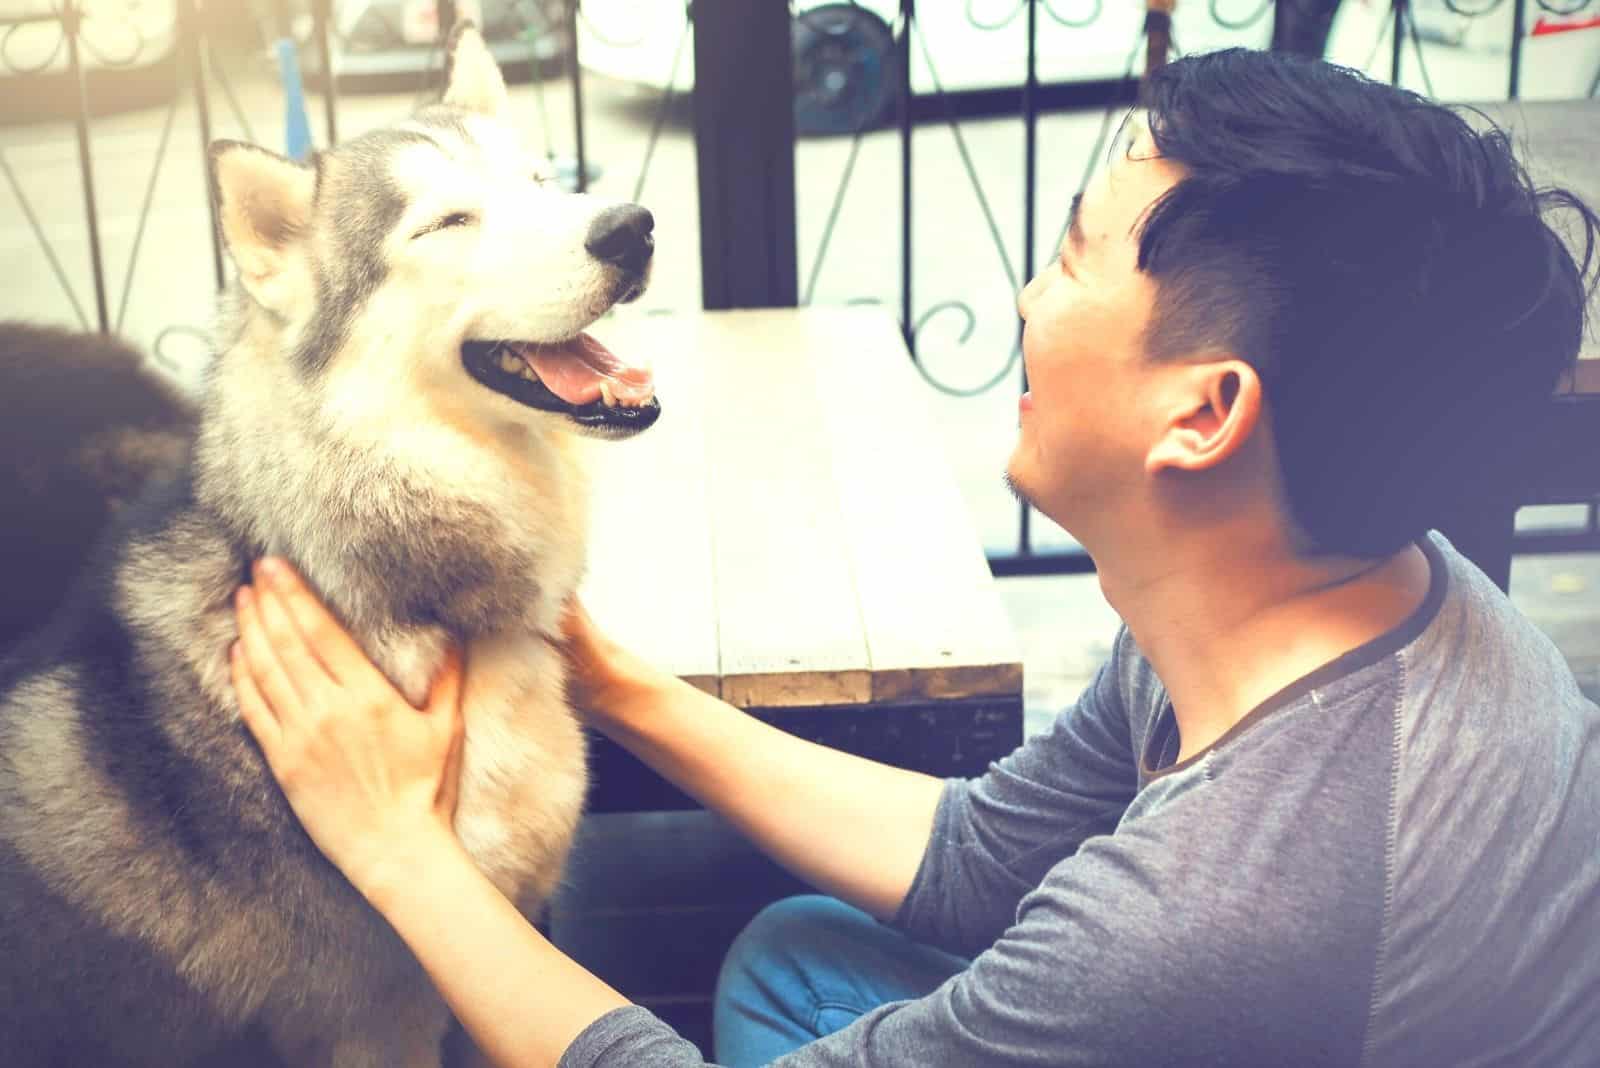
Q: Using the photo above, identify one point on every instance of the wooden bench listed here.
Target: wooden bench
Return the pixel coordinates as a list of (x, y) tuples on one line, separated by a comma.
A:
[(788, 536)]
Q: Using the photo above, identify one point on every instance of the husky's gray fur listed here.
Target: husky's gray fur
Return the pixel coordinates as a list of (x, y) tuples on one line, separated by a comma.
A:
[(158, 902)]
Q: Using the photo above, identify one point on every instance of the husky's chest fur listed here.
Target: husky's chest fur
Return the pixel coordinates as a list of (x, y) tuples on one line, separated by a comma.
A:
[(420, 531)]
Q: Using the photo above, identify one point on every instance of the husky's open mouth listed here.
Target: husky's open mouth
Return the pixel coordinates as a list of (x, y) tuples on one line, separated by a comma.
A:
[(579, 378)]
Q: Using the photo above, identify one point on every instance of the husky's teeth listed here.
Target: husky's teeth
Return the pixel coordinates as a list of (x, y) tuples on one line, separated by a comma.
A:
[(509, 362), (607, 396)]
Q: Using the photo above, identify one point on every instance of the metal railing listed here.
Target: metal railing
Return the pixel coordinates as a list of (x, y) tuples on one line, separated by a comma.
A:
[(1030, 98), (198, 78), (914, 106)]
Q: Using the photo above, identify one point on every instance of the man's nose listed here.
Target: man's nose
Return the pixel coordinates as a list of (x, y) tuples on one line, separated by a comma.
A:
[(621, 236), (1025, 297)]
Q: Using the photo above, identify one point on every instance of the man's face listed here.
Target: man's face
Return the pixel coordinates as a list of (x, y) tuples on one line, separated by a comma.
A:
[(1086, 422)]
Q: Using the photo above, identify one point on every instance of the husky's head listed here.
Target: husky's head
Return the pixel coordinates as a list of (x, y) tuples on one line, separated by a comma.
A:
[(436, 257)]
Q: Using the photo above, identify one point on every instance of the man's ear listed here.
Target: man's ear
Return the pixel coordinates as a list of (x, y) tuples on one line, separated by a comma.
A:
[(1214, 408), (472, 78), (264, 207)]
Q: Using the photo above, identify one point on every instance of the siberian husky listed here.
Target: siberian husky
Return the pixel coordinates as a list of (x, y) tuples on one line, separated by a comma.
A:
[(401, 379)]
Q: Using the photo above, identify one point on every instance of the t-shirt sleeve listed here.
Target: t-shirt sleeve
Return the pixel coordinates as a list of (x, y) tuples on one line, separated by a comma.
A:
[(995, 837), (633, 1036)]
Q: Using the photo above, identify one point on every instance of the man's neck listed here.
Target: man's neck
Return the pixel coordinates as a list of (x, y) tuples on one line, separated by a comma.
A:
[(1227, 625)]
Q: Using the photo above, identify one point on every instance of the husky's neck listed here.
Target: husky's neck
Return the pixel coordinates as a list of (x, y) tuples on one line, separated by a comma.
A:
[(406, 520)]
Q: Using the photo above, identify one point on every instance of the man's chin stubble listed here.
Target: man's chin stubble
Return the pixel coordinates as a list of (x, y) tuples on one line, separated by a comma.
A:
[(1017, 491)]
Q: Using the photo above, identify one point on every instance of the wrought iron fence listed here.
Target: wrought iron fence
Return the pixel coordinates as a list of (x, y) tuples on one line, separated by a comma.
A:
[(862, 71), (77, 33), (1301, 25)]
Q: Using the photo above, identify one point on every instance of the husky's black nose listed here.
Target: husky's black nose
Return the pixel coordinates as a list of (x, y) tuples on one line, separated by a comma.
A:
[(621, 235)]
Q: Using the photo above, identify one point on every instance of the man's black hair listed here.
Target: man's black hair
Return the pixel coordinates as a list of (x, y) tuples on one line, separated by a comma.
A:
[(1385, 266)]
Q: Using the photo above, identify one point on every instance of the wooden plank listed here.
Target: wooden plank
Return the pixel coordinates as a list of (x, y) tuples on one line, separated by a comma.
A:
[(651, 585), (1586, 376), (934, 621), (942, 737), (1564, 464), (790, 630)]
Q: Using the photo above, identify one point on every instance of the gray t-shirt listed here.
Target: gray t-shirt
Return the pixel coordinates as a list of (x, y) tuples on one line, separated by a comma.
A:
[(1394, 861)]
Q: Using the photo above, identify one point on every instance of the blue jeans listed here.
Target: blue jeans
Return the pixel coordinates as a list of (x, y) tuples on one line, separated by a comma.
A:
[(808, 966)]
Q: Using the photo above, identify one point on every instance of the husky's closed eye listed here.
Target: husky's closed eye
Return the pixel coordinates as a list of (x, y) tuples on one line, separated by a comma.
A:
[(455, 218)]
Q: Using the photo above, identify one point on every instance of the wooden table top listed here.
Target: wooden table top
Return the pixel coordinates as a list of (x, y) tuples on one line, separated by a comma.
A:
[(788, 533), (1559, 142)]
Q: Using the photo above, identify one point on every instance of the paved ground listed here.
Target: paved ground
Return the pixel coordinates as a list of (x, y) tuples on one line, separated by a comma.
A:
[(964, 280)]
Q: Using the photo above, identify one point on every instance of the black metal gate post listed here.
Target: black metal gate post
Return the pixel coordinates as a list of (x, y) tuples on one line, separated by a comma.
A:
[(744, 142), (321, 14), (71, 20), (576, 70), (193, 43), (908, 18), (1397, 46), (1030, 173), (1519, 27)]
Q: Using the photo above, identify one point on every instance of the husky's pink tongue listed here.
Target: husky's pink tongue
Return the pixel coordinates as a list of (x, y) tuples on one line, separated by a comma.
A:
[(575, 371)]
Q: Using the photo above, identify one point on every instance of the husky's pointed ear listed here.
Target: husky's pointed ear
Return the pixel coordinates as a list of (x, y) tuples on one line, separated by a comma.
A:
[(264, 208), (472, 79)]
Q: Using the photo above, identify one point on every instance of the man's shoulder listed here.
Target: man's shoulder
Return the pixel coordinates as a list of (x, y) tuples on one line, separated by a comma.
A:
[(1495, 773), (1479, 648)]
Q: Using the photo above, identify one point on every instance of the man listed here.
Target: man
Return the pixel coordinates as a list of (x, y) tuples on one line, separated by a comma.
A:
[(1331, 801)]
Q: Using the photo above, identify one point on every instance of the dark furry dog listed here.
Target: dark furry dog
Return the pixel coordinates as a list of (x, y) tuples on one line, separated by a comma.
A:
[(84, 426)]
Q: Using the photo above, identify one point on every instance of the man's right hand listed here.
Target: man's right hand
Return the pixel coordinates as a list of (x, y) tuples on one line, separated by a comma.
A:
[(604, 679)]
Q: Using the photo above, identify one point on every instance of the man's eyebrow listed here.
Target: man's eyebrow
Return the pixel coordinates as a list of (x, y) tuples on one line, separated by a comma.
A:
[(1075, 235)]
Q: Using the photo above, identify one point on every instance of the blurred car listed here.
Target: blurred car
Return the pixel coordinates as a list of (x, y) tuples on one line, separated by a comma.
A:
[(1560, 45), (388, 44), (846, 63)]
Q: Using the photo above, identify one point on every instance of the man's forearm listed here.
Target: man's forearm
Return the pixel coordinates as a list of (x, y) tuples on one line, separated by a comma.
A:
[(850, 826), (522, 1000)]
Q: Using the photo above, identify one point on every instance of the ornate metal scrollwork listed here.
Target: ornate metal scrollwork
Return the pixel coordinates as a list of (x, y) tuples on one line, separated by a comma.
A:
[(107, 30), (1096, 8)]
